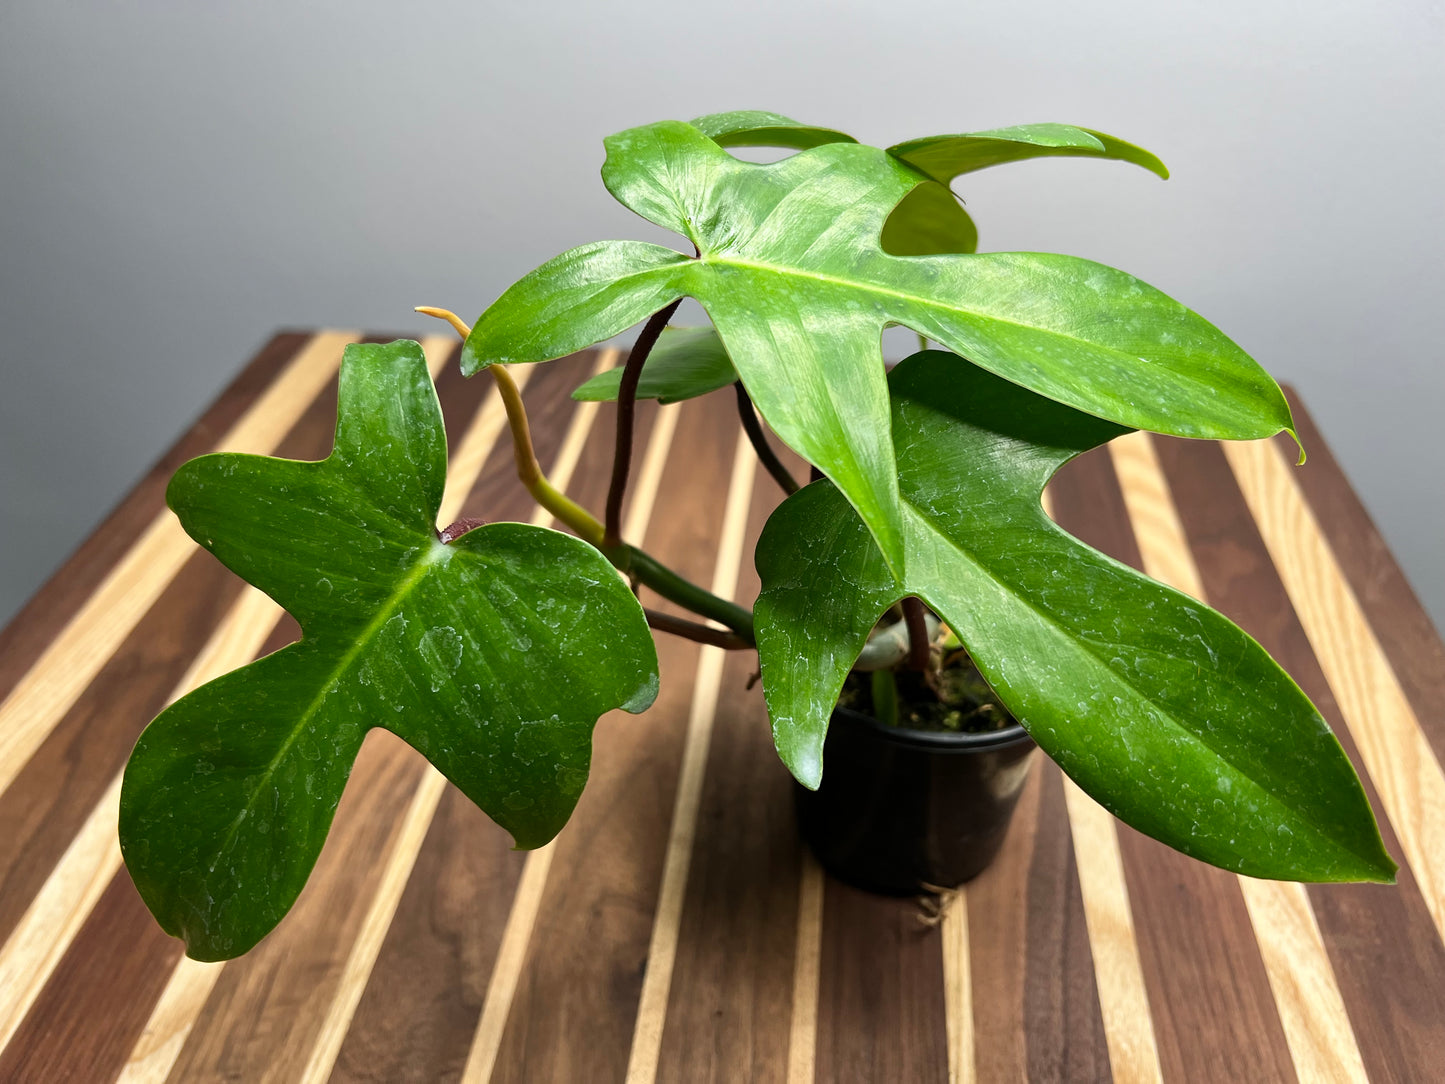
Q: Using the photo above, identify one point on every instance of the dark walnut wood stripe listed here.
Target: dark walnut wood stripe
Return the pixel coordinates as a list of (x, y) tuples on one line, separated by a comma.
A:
[(54, 794), (575, 1005), (420, 1009), (1387, 958), (1401, 624), (880, 997), (42, 618), (266, 1009), (1209, 993), (882, 992), (93, 741), (262, 1017), (1036, 1010), (86, 1020), (730, 1005)]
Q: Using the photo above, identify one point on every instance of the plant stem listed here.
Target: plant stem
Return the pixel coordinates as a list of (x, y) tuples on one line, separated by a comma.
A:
[(530, 471), (670, 585), (692, 630), (626, 409), (917, 634), (766, 456), (645, 568)]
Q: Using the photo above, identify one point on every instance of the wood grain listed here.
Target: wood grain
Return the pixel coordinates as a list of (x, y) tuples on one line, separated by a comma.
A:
[(574, 1009), (677, 929), (1059, 1001), (1211, 997), (73, 887), (56, 603), (881, 1013), (60, 675), (1380, 717), (1311, 1010), (1129, 1027), (262, 1017), (662, 948), (807, 969), (1395, 615), (421, 1005), (738, 976), (958, 987), (59, 1040), (1387, 959)]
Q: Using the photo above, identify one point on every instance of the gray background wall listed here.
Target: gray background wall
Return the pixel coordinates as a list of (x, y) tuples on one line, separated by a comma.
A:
[(177, 179)]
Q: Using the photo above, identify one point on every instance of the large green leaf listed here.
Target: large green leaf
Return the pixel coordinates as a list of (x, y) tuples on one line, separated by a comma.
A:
[(492, 655), (790, 270), (1172, 717), (930, 219), (948, 156), (686, 362)]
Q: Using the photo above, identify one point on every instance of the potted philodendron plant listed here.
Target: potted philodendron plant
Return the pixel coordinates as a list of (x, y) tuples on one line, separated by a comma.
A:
[(917, 577)]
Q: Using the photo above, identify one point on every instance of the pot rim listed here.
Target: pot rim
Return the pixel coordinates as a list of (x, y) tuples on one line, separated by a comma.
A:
[(938, 741)]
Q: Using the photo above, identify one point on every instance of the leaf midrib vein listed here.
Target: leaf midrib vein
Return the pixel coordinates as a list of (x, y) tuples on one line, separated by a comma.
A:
[(1049, 526), (385, 612)]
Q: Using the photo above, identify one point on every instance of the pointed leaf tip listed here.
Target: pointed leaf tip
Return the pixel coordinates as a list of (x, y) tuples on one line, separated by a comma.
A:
[(1114, 675)]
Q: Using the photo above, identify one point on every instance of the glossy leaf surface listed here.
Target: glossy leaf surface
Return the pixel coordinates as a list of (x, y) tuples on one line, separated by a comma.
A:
[(930, 219), (493, 656), (1169, 715), (791, 273), (757, 128), (948, 156), (686, 362), (929, 222)]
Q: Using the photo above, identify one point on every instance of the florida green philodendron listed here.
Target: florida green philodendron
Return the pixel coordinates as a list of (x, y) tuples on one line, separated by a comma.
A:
[(493, 649)]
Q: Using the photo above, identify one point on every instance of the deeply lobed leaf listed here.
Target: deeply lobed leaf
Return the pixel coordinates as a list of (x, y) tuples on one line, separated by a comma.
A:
[(791, 272), (493, 656), (948, 156), (1168, 714)]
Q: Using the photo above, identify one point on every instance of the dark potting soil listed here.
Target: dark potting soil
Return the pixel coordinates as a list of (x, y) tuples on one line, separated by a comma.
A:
[(961, 702)]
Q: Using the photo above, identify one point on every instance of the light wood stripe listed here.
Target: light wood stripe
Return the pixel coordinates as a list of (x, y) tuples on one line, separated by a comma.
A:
[(807, 967), (1123, 997), (170, 1023), (527, 901), (1312, 1010), (1118, 973), (235, 644), (958, 988), (463, 472), (53, 684), (517, 934), (1396, 753), (507, 970), (44, 933), (365, 949), (662, 952)]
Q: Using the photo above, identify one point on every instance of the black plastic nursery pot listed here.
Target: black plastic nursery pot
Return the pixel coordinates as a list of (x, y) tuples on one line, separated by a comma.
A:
[(903, 811)]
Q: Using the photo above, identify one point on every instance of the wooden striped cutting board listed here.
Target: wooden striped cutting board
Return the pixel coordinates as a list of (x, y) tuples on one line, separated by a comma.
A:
[(676, 930)]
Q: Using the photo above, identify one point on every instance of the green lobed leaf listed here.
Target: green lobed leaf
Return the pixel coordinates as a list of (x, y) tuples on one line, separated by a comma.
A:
[(948, 156), (790, 271), (686, 362), (1169, 715), (930, 219), (757, 128), (492, 655)]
